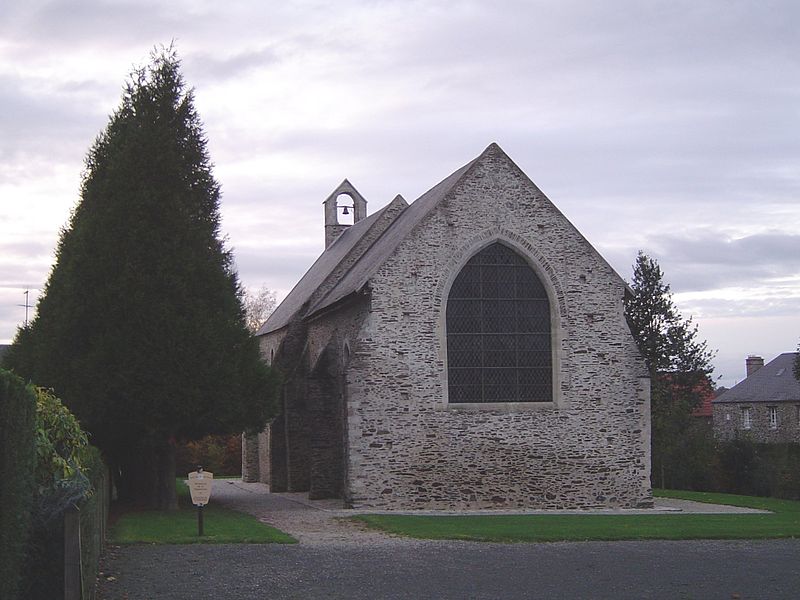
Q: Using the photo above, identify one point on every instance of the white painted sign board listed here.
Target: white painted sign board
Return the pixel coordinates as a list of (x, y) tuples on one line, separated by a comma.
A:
[(200, 486)]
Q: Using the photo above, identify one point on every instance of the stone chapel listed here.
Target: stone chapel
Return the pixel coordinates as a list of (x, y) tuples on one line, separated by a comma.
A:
[(467, 350)]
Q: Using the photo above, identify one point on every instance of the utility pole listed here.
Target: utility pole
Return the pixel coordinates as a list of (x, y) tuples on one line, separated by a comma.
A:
[(27, 306)]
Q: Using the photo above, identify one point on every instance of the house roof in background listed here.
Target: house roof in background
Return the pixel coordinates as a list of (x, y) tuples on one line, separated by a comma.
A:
[(774, 382), (707, 396), (3, 349)]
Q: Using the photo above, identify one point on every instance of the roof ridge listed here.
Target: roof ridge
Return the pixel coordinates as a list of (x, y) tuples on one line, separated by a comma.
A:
[(398, 200), (774, 382), (299, 297), (394, 236)]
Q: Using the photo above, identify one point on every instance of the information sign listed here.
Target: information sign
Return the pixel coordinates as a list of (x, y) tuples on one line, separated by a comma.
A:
[(200, 486)]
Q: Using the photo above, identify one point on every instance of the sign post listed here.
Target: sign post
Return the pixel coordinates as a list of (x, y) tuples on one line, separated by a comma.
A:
[(200, 488)]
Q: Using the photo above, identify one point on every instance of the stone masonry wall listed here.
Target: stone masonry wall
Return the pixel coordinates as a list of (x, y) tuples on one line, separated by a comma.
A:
[(330, 346), (304, 447), (729, 422), (256, 463), (407, 447), (250, 458), (286, 347), (284, 455)]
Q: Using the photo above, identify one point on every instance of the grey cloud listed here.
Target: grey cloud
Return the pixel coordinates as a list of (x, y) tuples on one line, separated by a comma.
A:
[(37, 131), (636, 119), (213, 68), (754, 250), (710, 260), (773, 303), (632, 93), (24, 276), (280, 269), (59, 24), (26, 249)]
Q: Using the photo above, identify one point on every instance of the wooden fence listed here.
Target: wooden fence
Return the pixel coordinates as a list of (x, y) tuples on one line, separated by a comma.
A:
[(84, 538)]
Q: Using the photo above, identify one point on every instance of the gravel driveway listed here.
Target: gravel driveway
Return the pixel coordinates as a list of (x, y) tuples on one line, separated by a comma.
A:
[(340, 559)]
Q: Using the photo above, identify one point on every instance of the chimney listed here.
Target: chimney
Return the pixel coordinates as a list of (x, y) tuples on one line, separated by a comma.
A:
[(753, 364)]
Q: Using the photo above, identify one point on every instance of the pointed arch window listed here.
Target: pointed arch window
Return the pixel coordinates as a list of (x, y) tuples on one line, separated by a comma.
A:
[(498, 331)]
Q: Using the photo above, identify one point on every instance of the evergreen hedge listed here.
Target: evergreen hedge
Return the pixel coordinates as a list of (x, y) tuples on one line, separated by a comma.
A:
[(17, 482), (751, 469), (738, 466)]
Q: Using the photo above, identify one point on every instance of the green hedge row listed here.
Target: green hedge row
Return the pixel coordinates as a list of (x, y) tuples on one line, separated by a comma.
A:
[(759, 469), (738, 466), (46, 466), (17, 480)]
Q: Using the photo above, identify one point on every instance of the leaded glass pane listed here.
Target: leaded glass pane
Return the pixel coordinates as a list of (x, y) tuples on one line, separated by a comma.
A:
[(498, 331)]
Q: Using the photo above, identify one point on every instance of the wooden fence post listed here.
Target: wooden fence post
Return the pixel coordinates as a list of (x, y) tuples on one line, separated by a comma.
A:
[(72, 554)]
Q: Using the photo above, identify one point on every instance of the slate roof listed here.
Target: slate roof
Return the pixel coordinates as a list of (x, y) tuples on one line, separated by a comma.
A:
[(383, 248), (774, 382), (318, 273), (301, 298), (363, 269)]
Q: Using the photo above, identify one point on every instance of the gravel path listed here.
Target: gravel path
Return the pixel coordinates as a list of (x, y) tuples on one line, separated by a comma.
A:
[(317, 522), (321, 522), (340, 559), (454, 570)]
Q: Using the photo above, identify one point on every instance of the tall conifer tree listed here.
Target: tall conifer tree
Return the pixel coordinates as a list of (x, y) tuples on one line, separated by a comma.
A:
[(141, 328), (797, 363), (678, 362)]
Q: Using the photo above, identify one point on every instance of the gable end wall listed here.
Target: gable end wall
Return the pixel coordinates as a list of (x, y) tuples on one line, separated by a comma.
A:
[(407, 447)]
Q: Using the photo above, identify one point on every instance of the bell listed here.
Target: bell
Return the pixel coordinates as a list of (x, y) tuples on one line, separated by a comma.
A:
[(345, 211)]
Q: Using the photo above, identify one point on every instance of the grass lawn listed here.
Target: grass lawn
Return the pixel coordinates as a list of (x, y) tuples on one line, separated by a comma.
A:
[(782, 523), (220, 526)]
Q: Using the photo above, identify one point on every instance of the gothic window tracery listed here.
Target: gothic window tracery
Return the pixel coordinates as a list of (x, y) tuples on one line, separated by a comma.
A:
[(498, 331)]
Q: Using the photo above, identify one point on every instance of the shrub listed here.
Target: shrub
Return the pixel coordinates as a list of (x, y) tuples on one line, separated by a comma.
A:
[(777, 471), (693, 462), (62, 454), (61, 444), (220, 454), (17, 460), (759, 469), (737, 460)]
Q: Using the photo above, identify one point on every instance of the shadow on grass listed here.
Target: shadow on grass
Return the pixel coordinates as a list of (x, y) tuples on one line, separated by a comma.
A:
[(220, 526)]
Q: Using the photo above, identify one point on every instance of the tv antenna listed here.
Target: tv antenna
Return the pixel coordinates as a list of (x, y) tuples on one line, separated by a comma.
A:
[(27, 306)]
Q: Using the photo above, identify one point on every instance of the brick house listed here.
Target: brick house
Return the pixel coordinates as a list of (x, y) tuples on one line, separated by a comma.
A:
[(466, 350), (704, 410), (765, 406)]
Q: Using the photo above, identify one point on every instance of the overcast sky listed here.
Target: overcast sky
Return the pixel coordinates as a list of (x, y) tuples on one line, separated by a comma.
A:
[(672, 127)]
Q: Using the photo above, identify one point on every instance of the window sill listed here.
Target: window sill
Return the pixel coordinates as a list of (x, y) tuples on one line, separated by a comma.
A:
[(503, 407)]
